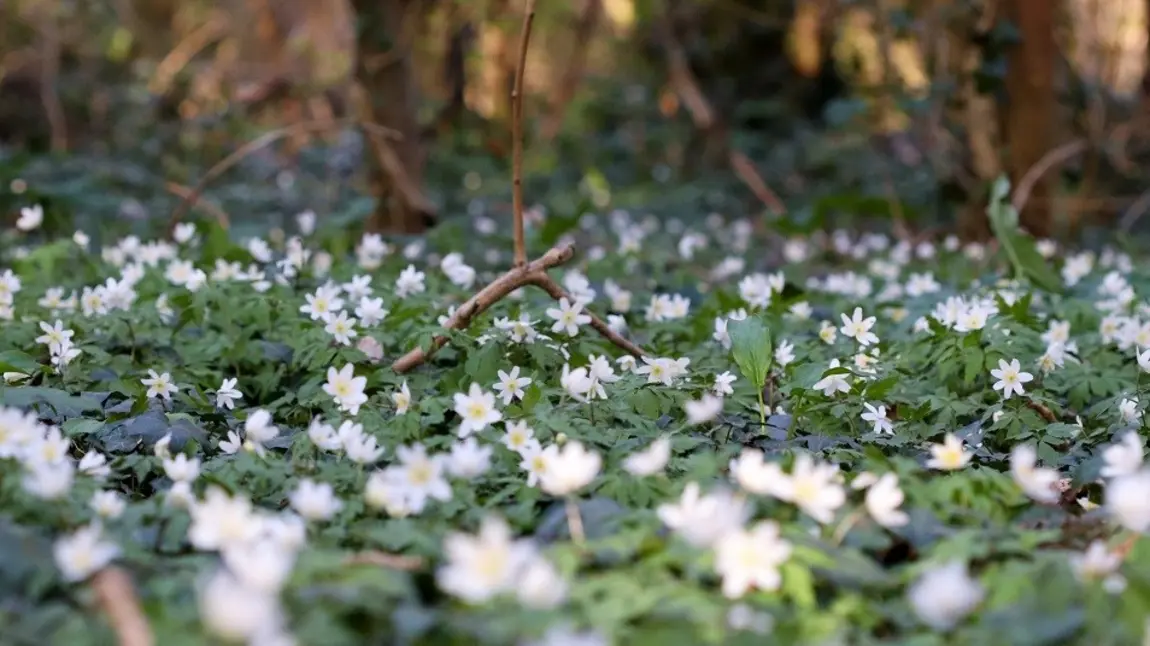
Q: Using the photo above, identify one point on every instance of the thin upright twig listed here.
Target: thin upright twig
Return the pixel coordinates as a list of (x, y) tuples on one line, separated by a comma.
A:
[(517, 137), (522, 273), (117, 598)]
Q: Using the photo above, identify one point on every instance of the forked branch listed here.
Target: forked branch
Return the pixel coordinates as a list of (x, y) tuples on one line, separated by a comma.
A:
[(522, 273)]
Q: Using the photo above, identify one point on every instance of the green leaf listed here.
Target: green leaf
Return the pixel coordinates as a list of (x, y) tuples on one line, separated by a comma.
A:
[(1019, 247), (973, 359), (64, 404), (751, 349), (1033, 264), (16, 361)]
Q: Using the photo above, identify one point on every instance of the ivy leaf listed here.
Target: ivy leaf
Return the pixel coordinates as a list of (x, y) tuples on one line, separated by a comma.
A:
[(751, 349)]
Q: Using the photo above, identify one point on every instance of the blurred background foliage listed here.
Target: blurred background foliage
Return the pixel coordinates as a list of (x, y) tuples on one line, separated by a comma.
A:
[(812, 113)]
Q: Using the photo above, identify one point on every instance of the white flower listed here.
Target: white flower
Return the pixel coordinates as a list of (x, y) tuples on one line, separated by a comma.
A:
[(341, 328), (401, 399), (651, 460), (859, 328), (346, 389), (31, 217), (370, 311), (1038, 483), (410, 282), (569, 468), (54, 335), (578, 382), (785, 353), (180, 496), (321, 305), (477, 410), (944, 595), (421, 477), (232, 444), (755, 475), (181, 469), (813, 487), (703, 410), (518, 436), (949, 455), (49, 481), (659, 370), (468, 459), (161, 447), (703, 520), (220, 520), (159, 385), (535, 461), (107, 504), (833, 383), (83, 553), (883, 499), (877, 416), (259, 430), (1128, 410), (510, 385), (568, 317), (540, 585), (1010, 378), (1096, 563), (1128, 500), (723, 383), (482, 566), (751, 558), (93, 463), (226, 394), (1123, 458), (361, 448), (263, 564), (237, 612), (314, 500)]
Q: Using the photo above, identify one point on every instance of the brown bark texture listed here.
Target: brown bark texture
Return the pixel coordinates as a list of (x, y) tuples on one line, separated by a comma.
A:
[(1031, 106), (385, 74)]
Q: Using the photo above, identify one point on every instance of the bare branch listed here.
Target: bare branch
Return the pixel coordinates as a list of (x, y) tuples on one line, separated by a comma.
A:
[(512, 280), (517, 136), (1035, 173)]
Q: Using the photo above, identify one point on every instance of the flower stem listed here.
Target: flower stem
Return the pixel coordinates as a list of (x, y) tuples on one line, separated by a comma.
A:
[(574, 522)]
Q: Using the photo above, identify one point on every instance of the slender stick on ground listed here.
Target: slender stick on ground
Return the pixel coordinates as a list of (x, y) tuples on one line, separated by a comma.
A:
[(522, 273), (117, 598), (402, 562)]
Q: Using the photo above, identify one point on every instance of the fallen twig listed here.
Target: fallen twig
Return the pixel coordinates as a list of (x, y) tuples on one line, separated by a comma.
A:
[(1043, 411), (117, 598), (402, 562)]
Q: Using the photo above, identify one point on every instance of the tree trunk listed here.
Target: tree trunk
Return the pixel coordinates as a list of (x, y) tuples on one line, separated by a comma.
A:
[(387, 86), (1030, 110)]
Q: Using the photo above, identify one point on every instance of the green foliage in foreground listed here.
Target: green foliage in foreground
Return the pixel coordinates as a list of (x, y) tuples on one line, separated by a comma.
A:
[(861, 564)]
